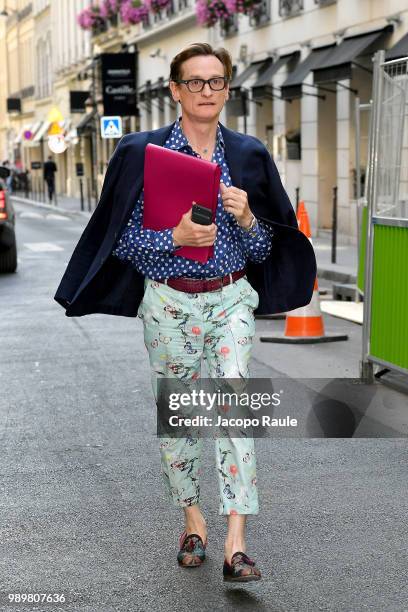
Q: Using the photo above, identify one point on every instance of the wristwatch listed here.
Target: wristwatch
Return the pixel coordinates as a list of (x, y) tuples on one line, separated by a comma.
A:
[(251, 229)]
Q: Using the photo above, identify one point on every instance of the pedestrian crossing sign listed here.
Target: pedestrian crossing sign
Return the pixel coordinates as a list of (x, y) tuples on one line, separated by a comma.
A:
[(111, 127)]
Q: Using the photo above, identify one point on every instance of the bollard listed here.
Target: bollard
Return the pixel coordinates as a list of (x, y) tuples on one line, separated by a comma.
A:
[(88, 190), (81, 191), (334, 226)]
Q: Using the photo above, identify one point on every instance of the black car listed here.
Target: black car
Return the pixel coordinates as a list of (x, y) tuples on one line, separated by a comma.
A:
[(8, 246)]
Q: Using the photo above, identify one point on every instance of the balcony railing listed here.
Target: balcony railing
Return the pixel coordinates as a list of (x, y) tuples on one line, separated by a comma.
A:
[(175, 9), (164, 14), (288, 8), (229, 25)]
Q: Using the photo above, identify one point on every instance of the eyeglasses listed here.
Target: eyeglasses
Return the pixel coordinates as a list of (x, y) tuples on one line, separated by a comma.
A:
[(197, 85)]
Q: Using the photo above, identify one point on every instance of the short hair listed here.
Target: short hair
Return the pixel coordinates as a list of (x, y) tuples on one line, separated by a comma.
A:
[(195, 49)]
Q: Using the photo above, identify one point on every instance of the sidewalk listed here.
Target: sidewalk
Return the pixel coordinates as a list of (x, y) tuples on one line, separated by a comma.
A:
[(344, 270), (65, 204)]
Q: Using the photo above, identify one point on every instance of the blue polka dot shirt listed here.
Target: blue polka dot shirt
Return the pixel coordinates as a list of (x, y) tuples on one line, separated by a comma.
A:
[(153, 252)]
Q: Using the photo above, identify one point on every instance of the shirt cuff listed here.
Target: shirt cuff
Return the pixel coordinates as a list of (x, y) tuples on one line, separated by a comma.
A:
[(253, 233)]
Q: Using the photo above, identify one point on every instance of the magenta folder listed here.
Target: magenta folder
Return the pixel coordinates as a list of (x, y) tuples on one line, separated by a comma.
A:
[(172, 180)]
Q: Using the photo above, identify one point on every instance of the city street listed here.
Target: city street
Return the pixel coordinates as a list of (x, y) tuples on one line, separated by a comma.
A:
[(83, 507)]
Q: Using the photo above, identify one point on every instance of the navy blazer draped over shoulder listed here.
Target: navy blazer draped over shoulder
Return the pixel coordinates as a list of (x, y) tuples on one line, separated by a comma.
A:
[(97, 282)]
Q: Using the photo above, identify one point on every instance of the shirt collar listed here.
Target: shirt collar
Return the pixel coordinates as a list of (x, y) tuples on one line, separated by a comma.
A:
[(178, 139)]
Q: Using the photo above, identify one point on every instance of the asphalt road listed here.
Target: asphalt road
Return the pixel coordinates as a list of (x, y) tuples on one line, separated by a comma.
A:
[(83, 510)]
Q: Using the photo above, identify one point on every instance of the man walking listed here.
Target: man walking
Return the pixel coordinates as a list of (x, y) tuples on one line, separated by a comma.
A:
[(190, 310), (50, 168)]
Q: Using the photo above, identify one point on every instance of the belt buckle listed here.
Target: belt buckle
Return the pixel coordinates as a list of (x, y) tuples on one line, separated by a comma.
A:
[(231, 280)]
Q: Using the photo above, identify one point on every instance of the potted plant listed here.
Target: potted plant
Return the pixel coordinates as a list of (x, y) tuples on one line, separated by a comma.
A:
[(90, 18), (134, 11), (110, 9), (156, 6), (208, 12), (245, 7)]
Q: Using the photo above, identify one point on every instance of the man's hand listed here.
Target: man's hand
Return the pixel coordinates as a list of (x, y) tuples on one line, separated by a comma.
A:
[(188, 233), (236, 202)]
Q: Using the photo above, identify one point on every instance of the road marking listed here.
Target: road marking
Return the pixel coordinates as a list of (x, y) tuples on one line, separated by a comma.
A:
[(57, 217), (30, 215), (42, 246)]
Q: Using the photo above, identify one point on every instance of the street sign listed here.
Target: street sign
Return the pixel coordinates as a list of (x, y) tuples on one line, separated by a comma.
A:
[(111, 127), (118, 72), (36, 165)]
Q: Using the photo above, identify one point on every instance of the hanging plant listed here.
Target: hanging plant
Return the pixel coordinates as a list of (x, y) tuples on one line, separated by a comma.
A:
[(109, 9), (244, 7), (208, 12), (133, 11), (158, 5), (90, 18)]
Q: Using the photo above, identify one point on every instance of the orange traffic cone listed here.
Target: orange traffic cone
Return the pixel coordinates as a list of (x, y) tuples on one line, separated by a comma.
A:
[(305, 325), (300, 209)]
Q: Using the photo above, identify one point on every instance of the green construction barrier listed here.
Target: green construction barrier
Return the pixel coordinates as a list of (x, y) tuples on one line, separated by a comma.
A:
[(389, 300), (362, 250)]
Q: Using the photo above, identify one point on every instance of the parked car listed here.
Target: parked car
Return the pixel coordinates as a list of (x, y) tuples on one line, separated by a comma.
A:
[(8, 245)]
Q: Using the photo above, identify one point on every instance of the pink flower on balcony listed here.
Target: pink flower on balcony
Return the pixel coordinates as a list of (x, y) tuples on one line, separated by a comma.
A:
[(85, 19), (133, 11), (208, 12), (245, 7), (90, 17), (157, 5), (110, 8)]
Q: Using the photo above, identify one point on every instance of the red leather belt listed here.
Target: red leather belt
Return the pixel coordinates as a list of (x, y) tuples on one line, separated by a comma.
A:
[(198, 285)]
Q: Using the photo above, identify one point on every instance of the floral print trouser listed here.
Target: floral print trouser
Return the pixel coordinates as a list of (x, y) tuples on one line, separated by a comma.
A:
[(179, 330)]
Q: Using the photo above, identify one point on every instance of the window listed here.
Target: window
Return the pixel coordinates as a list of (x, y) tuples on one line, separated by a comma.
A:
[(288, 8), (261, 14)]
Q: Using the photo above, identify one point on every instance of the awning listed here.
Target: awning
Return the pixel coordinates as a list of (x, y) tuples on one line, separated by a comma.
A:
[(34, 128), (157, 88), (72, 135), (144, 91), (339, 62), (66, 124), (262, 88), (258, 66), (41, 132), (400, 49), (292, 87), (86, 122), (19, 137)]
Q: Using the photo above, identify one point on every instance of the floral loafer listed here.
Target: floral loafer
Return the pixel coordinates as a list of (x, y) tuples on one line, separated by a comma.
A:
[(192, 550), (241, 569)]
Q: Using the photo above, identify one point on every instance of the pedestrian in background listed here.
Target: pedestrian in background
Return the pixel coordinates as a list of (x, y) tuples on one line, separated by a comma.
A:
[(9, 179), (50, 168)]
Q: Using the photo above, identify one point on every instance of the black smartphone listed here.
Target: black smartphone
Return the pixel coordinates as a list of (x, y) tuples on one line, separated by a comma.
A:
[(201, 214)]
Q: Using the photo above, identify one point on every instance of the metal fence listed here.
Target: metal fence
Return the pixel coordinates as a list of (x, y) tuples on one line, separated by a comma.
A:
[(385, 328)]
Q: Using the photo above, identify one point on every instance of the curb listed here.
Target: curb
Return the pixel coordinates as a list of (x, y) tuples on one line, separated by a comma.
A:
[(336, 275), (64, 211)]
